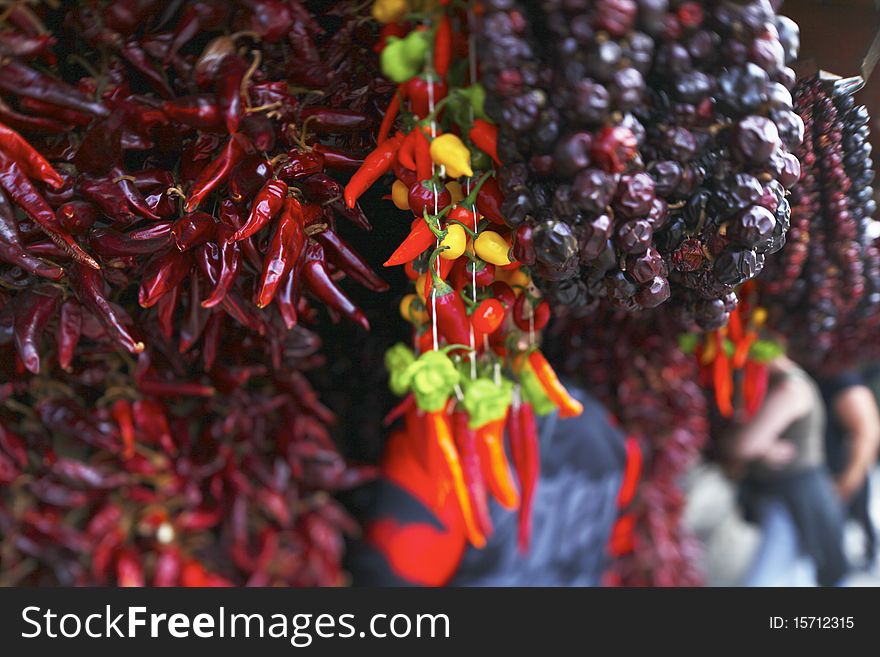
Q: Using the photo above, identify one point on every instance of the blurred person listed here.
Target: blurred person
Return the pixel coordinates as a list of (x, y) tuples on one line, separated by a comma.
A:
[(782, 448), (852, 438), (414, 535)]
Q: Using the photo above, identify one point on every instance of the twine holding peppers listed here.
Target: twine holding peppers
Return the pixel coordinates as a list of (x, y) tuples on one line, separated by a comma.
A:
[(474, 373)]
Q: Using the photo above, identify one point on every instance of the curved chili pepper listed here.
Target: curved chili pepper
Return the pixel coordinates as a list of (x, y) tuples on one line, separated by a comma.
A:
[(266, 206), (109, 198), (123, 414), (489, 200), (132, 52), (21, 80), (12, 250), (111, 243), (66, 417), (300, 164), (164, 272), (523, 436), (69, 331), (199, 111), (28, 158), (756, 380), (76, 216), (285, 248), (55, 112), (212, 340), (496, 469), (132, 195), (631, 473), (451, 316), (468, 451), (23, 194), (33, 311), (722, 378), (568, 405), (23, 46), (192, 230), (484, 135), (201, 15), (249, 176), (419, 92), (230, 260), (322, 285), (152, 179), (376, 164), (88, 285), (347, 259), (327, 121), (388, 118), (440, 432), (125, 16), (31, 123), (197, 156), (540, 314), (443, 46), (336, 159), (215, 173), (321, 188), (230, 76)]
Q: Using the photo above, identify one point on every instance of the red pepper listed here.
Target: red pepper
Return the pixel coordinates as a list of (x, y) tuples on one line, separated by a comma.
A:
[(230, 261), (213, 339), (540, 314), (631, 473), (23, 194), (13, 251), (343, 256), (300, 164), (34, 309), (722, 378), (443, 46), (286, 300), (388, 119), (496, 469), (266, 206), (76, 217), (406, 154), (452, 320), (487, 318), (489, 200), (321, 284), (568, 405), (32, 164), (31, 123), (376, 165), (111, 243), (230, 75), (284, 250), (192, 230), (336, 159), (468, 452), (324, 120), (135, 55), (88, 285), (756, 380), (249, 176), (69, 331), (419, 92), (64, 114), (162, 274), (23, 46), (321, 188), (109, 198), (196, 317), (165, 309), (21, 80), (428, 196), (215, 173), (440, 432), (123, 414), (132, 195), (523, 436), (504, 293), (485, 137), (200, 112)]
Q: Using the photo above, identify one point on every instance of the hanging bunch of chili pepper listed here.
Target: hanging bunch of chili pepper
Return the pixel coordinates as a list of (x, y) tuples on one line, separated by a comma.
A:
[(172, 222), (474, 373)]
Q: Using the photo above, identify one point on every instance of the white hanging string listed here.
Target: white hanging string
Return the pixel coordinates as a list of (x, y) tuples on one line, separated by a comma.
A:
[(431, 107)]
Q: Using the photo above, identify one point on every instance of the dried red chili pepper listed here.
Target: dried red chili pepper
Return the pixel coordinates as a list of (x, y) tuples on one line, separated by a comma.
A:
[(109, 198), (28, 158), (21, 80), (388, 118), (193, 230), (265, 208), (321, 284), (55, 112), (196, 317), (343, 256), (230, 76), (76, 217), (285, 248), (88, 285), (31, 123), (300, 164), (249, 176), (34, 309), (286, 299), (124, 415), (523, 436), (466, 444), (199, 111), (69, 331), (337, 159), (109, 243), (321, 188), (215, 173), (12, 250), (376, 164), (229, 263), (164, 272), (326, 121), (135, 55), (165, 308)]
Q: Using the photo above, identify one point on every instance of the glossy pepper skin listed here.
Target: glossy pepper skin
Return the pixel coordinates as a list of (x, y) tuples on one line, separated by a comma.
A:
[(522, 434), (326, 121), (553, 388), (484, 135), (321, 284), (451, 315), (284, 250), (88, 285), (31, 162), (489, 200), (199, 111), (69, 331), (21, 80), (12, 250), (340, 253), (215, 173), (230, 261), (163, 273), (34, 310), (266, 206), (375, 165), (496, 469), (468, 451), (420, 238)]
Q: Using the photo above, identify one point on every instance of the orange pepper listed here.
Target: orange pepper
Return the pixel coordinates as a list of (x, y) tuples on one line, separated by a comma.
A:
[(722, 378), (493, 461), (568, 405)]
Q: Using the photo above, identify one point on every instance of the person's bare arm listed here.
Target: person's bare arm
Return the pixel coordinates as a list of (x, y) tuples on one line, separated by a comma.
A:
[(856, 409), (759, 437)]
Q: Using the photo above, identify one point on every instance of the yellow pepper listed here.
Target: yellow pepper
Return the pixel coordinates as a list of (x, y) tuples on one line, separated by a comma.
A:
[(413, 310), (759, 316), (420, 287), (493, 248), (390, 11), (455, 240), (400, 195), (516, 278), (455, 191), (450, 152)]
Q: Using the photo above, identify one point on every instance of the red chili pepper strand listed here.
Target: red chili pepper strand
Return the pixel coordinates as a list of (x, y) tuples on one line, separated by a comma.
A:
[(215, 173), (423, 91), (489, 200), (321, 188), (124, 416), (133, 196), (23, 194), (230, 262), (110, 243), (540, 314), (336, 159), (326, 121), (32, 164), (163, 273), (135, 55), (451, 315), (152, 179), (165, 308), (420, 238), (485, 137), (466, 444), (424, 163), (230, 76), (33, 311), (12, 250), (286, 300), (722, 378), (77, 217), (300, 164), (22, 46), (343, 256), (109, 198), (265, 208), (21, 80), (443, 46), (306, 397), (193, 230), (88, 285), (30, 123), (285, 248), (388, 118), (522, 433), (322, 286), (376, 165), (69, 331), (755, 383)]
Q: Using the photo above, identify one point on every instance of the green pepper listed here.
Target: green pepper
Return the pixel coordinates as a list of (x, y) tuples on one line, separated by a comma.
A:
[(485, 401), (688, 342), (403, 59), (397, 359), (763, 351), (533, 392), (432, 377)]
